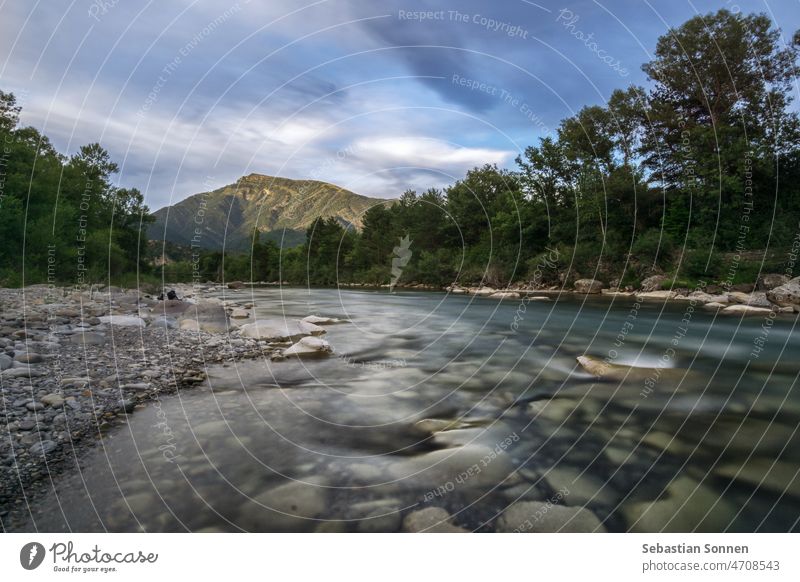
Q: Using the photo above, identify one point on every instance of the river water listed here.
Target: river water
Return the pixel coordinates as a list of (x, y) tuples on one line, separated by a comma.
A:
[(468, 404)]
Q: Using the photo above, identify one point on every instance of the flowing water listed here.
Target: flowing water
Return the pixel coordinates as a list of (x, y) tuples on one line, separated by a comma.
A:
[(705, 438)]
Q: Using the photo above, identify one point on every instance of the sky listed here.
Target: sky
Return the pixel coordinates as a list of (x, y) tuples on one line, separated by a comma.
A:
[(375, 96)]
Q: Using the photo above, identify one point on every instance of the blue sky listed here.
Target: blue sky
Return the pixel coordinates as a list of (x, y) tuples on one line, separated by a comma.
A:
[(376, 96)]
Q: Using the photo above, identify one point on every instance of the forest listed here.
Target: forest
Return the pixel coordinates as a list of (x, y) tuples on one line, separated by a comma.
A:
[(695, 176)]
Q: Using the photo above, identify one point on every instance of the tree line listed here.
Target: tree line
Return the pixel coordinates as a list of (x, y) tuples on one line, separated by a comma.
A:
[(674, 178)]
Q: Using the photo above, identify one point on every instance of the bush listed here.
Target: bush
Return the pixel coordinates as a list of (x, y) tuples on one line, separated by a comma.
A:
[(653, 247)]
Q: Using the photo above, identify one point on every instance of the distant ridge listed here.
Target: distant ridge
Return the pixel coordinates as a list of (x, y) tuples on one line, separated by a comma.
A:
[(280, 208)]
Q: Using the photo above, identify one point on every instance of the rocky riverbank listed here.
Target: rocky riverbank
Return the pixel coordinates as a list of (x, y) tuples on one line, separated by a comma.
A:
[(73, 364)]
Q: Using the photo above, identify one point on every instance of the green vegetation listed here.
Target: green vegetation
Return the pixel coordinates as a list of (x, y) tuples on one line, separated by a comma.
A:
[(679, 178)]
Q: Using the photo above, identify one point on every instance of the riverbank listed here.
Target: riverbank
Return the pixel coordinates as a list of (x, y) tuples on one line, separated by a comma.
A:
[(75, 364)]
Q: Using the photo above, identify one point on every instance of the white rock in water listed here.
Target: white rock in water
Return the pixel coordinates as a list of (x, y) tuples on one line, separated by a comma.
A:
[(714, 305), (123, 320), (319, 320), (276, 329), (240, 313), (483, 291), (309, 346), (505, 295), (311, 328), (657, 295), (745, 310)]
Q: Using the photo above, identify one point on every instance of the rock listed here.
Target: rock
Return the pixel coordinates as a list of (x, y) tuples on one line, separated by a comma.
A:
[(583, 487), (714, 305), (657, 295), (483, 291), (745, 310), (653, 283), (777, 476), (310, 328), (23, 372), (364, 472), (54, 400), (190, 325), (5, 362), (786, 295), (292, 506), (235, 285), (42, 448), (541, 517), (505, 295), (29, 358), (165, 322), (618, 372), (34, 406), (276, 330), (239, 313), (87, 338), (755, 299), (702, 297), (309, 346), (209, 317), (123, 320), (588, 286), (319, 320), (688, 506), (771, 281), (430, 520)]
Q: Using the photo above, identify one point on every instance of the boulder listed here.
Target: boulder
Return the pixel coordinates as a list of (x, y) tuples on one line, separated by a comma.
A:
[(235, 285), (209, 317), (703, 297), (653, 283), (483, 291), (54, 400), (756, 299), (771, 281), (277, 329), (5, 362), (786, 295), (309, 346), (319, 320), (239, 313), (588, 286), (540, 517)]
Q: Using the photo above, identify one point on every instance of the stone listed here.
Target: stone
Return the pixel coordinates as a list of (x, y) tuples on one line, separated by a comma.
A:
[(703, 297), (661, 295), (87, 338), (54, 400), (275, 330), (430, 520), (777, 476), (505, 295), (123, 320), (34, 406), (235, 285), (165, 322), (543, 517), (239, 313), (714, 306), (580, 488), (771, 281), (588, 286), (745, 310), (483, 291), (688, 506), (653, 283), (29, 358), (309, 346), (208, 317), (319, 320), (786, 295), (23, 372), (42, 448), (5, 362), (293, 505), (755, 299)]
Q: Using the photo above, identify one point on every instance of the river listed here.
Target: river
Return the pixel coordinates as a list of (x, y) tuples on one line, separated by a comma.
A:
[(706, 440)]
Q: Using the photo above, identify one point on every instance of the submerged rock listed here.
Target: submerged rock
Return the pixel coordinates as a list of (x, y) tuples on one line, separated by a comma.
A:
[(541, 517), (289, 507), (618, 372)]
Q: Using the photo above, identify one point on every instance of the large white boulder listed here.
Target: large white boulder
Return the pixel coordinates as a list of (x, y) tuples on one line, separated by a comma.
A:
[(309, 346), (278, 329)]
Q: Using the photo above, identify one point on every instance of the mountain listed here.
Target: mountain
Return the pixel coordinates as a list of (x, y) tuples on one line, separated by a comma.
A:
[(280, 208)]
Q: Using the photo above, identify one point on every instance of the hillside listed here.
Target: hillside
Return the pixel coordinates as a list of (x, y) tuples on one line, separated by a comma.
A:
[(279, 207)]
